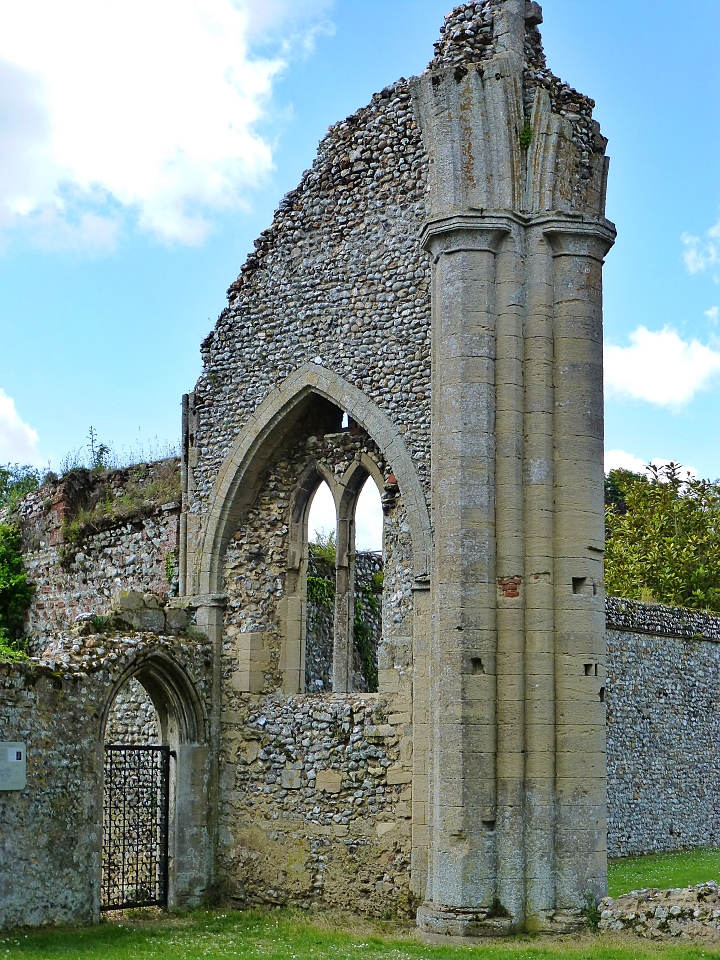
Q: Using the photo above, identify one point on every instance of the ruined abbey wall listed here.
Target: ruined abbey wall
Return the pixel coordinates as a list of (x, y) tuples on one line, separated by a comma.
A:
[(315, 790), (476, 772), (339, 279)]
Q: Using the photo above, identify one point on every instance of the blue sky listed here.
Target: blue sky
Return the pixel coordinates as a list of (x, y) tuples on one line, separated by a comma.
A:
[(144, 144)]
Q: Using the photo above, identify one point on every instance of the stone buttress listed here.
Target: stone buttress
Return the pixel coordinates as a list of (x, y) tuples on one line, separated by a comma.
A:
[(517, 235)]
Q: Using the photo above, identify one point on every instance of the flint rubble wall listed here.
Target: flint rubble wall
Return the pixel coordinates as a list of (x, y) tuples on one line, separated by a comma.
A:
[(315, 802), (50, 842), (663, 728), (338, 279)]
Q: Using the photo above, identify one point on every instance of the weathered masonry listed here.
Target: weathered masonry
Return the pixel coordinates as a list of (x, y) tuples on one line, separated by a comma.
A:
[(424, 314), (435, 284)]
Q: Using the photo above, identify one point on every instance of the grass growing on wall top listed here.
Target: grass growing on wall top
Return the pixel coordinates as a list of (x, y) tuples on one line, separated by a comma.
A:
[(663, 870), (287, 935)]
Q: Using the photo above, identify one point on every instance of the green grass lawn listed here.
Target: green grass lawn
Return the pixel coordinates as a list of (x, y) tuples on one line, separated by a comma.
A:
[(293, 935), (663, 870), (284, 935)]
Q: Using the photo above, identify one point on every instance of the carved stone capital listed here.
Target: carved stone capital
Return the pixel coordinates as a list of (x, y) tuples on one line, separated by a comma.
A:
[(578, 238), (466, 232)]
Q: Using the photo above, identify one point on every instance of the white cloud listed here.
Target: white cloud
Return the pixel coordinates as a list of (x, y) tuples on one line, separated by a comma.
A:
[(368, 516), (712, 314), (620, 460), (369, 519), (701, 253), (322, 513), (133, 110), (18, 440), (659, 367)]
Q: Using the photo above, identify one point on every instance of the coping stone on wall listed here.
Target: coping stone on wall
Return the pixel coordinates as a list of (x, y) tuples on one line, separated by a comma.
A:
[(632, 616)]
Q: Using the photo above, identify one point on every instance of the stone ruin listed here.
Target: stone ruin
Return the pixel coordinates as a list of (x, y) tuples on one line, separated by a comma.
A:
[(424, 314)]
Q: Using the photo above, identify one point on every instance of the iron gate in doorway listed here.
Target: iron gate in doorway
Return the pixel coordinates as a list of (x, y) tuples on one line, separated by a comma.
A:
[(135, 827)]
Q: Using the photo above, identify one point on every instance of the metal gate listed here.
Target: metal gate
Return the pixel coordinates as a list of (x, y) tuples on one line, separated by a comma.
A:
[(135, 827)]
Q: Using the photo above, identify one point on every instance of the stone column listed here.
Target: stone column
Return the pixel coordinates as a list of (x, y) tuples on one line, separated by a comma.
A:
[(462, 868), (210, 620), (580, 834), (539, 595), (344, 604), (509, 510)]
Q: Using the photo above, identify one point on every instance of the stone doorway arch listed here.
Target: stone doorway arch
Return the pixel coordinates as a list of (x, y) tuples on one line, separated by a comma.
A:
[(179, 726)]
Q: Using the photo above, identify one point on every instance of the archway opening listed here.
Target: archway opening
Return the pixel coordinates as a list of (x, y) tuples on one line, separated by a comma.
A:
[(155, 820), (138, 802), (321, 589), (133, 718)]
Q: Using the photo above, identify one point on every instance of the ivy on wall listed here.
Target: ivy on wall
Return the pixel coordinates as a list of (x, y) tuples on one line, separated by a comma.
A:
[(364, 634)]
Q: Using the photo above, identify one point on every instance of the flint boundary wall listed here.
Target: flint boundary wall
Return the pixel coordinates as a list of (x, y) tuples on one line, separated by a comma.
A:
[(663, 728)]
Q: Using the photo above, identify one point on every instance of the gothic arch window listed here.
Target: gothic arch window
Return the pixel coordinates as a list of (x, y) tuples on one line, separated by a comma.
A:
[(320, 591), (367, 587)]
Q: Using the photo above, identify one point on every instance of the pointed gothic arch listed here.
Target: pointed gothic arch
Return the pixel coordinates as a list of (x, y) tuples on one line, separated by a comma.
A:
[(271, 423)]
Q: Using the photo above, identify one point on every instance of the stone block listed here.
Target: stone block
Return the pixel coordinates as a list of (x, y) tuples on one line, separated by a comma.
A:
[(176, 620), (383, 730), (152, 620), (248, 681), (384, 828), (291, 779), (329, 781), (127, 600), (396, 775)]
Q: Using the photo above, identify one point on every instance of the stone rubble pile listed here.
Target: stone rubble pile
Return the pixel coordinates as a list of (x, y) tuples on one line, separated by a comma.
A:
[(685, 914)]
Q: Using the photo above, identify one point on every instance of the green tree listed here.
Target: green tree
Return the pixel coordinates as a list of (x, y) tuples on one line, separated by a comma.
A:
[(617, 483), (663, 539), (15, 481), (15, 591)]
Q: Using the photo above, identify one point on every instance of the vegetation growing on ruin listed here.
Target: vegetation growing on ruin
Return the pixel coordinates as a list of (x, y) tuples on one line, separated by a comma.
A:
[(98, 457), (321, 575), (323, 547), (364, 634), (663, 538), (140, 496), (15, 593)]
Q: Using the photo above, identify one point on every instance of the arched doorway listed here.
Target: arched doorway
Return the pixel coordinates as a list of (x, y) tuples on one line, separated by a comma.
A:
[(156, 847)]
